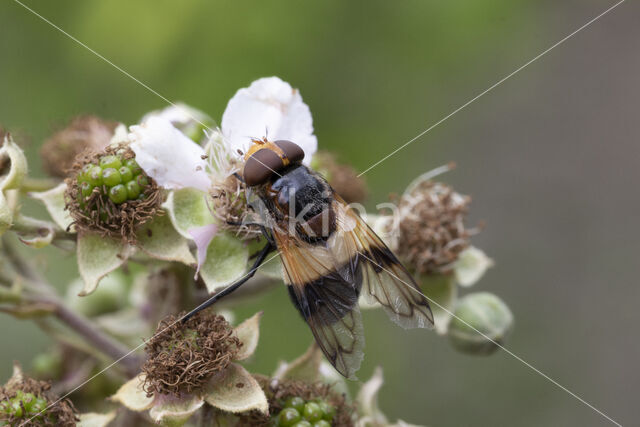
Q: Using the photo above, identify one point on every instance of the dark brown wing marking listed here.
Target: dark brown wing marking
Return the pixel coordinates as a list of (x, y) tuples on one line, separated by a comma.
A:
[(384, 280), (326, 280), (328, 303)]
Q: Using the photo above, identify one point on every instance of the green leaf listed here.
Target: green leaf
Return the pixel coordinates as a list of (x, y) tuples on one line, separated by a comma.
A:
[(235, 390), (18, 169), (248, 332), (442, 292), (159, 239), (187, 208), (132, 396), (92, 419), (97, 257), (226, 261), (174, 411), (6, 216), (54, 202)]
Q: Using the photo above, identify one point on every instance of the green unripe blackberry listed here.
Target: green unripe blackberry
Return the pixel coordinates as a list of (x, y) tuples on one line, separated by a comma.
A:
[(86, 189), (124, 180), (303, 423), (94, 176), (322, 423), (23, 405), (142, 180), (133, 166), (288, 417), (312, 412), (295, 402), (328, 410), (126, 174), (133, 190), (111, 177), (118, 194), (111, 161)]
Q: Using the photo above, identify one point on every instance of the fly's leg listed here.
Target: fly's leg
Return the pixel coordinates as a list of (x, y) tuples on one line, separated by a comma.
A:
[(262, 255)]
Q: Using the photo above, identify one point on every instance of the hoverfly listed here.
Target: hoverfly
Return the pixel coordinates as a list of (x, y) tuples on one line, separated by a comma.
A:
[(330, 256)]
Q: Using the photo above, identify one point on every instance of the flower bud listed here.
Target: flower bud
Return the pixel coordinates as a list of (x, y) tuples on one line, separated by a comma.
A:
[(480, 323), (83, 133)]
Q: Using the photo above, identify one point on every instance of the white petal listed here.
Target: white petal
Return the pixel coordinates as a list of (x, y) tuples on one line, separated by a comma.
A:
[(202, 236), (269, 107), (169, 156)]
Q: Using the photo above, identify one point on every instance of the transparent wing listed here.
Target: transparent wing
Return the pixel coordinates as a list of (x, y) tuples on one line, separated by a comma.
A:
[(326, 300), (385, 281)]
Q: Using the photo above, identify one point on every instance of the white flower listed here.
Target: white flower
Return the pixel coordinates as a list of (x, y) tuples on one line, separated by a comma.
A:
[(190, 121), (168, 156), (269, 107)]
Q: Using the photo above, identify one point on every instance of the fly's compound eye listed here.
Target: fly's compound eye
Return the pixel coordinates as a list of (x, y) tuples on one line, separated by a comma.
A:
[(260, 166), (294, 153)]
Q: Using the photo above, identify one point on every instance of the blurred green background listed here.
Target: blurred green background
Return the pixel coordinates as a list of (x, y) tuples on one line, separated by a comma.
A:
[(550, 158)]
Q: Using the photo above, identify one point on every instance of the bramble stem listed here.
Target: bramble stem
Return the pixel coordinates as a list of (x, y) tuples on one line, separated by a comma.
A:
[(83, 326), (37, 184)]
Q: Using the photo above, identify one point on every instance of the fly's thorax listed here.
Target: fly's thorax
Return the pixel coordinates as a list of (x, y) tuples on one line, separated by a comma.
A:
[(300, 203)]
